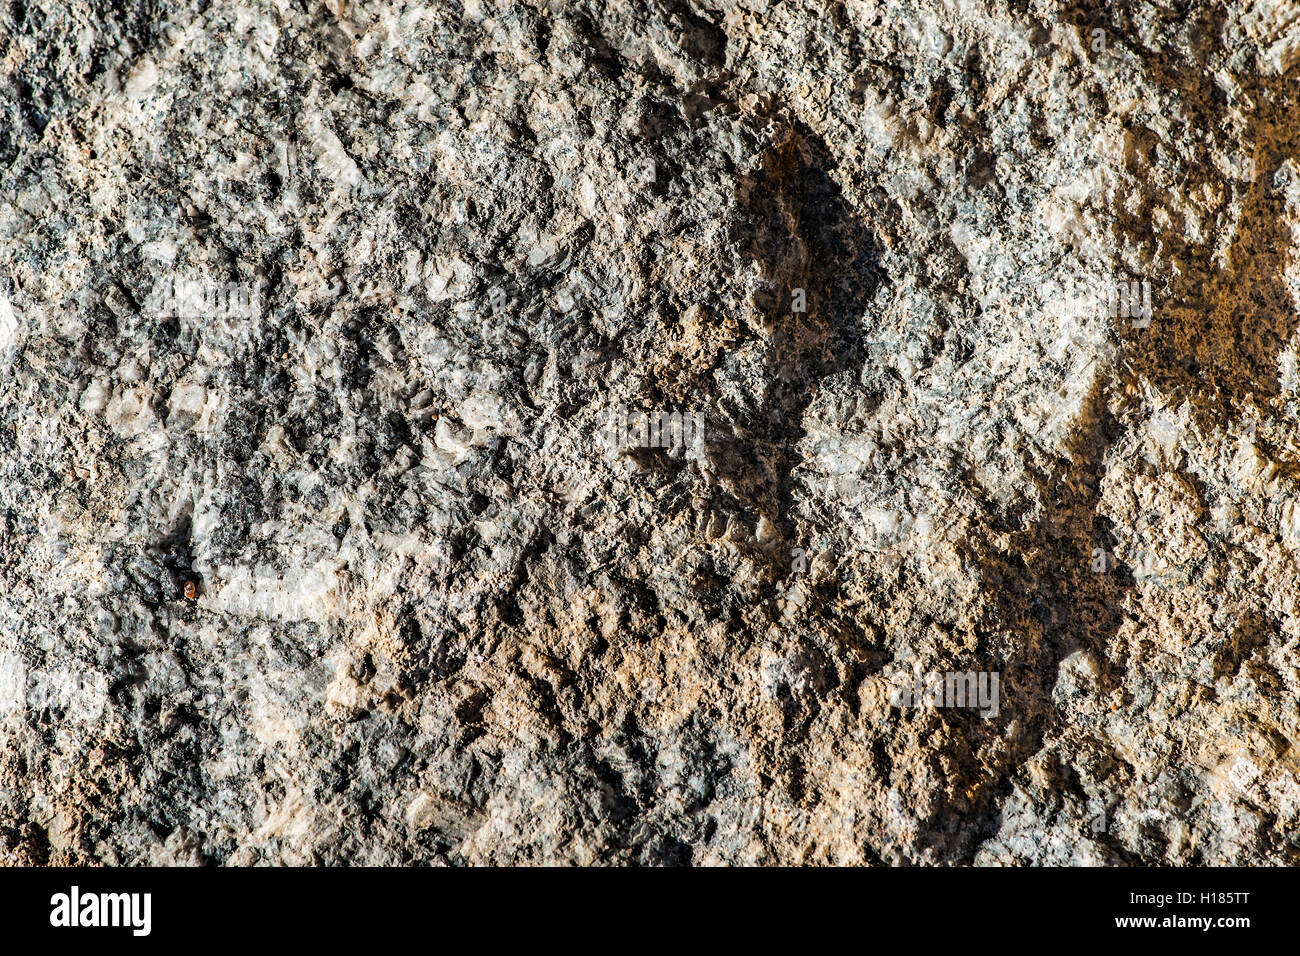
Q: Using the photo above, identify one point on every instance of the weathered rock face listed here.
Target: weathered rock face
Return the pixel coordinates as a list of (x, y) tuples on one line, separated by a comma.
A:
[(334, 527)]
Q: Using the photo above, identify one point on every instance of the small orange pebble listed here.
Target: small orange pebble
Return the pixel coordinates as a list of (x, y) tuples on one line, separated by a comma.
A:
[(190, 590)]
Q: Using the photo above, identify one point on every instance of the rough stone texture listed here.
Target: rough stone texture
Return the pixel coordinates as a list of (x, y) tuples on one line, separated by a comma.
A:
[(436, 619)]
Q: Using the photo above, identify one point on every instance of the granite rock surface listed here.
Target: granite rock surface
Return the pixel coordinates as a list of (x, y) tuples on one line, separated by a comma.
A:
[(333, 530)]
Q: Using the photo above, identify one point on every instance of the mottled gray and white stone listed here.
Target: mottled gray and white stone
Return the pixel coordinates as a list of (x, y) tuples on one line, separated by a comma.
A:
[(323, 313)]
